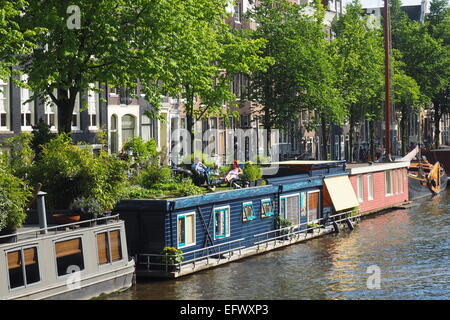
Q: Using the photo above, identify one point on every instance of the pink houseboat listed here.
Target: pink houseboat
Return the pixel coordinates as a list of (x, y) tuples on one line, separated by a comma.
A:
[(379, 186)]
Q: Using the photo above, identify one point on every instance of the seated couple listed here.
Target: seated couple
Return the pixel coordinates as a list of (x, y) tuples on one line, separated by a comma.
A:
[(204, 172)]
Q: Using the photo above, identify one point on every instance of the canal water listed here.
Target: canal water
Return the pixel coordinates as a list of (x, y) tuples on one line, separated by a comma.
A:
[(409, 249)]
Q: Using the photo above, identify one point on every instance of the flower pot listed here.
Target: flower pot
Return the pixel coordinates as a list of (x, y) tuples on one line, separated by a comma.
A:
[(63, 218)]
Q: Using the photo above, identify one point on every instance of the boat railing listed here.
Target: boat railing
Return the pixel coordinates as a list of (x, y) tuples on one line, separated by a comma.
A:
[(212, 253), (35, 233), (292, 233)]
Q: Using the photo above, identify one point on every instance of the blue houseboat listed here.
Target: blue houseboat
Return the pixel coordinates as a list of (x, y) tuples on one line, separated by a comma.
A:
[(220, 227)]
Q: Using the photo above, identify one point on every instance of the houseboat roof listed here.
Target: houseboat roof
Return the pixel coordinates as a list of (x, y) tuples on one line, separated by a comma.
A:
[(358, 168)]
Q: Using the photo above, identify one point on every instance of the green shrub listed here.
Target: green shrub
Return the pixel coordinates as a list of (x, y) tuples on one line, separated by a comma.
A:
[(135, 192), (21, 155), (143, 152), (41, 135), (187, 188), (172, 255), (223, 171), (67, 172), (251, 172), (88, 207), (14, 196), (153, 175)]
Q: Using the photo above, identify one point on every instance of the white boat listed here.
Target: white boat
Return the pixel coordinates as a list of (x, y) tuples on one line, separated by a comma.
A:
[(80, 260)]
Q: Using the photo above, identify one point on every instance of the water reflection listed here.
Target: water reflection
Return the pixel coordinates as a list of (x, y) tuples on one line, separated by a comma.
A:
[(411, 247)]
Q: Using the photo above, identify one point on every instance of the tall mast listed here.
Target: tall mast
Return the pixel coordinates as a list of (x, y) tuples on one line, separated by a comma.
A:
[(387, 73)]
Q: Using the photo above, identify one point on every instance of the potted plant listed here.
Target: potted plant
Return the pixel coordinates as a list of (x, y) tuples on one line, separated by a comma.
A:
[(282, 223), (87, 208), (252, 174), (171, 257), (312, 226), (14, 196)]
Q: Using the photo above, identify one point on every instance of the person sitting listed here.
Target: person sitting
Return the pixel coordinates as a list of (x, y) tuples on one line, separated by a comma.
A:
[(234, 173), (201, 170)]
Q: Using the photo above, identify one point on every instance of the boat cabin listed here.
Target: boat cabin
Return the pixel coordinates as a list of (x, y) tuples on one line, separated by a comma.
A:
[(379, 186), (80, 260), (210, 223)]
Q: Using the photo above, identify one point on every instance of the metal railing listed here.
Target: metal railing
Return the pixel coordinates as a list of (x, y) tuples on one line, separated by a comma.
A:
[(294, 232), (62, 227), (197, 255)]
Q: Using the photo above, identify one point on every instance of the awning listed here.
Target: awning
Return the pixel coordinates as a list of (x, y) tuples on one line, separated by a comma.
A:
[(341, 193)]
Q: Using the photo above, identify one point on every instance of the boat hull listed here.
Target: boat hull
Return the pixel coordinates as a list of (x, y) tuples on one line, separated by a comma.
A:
[(417, 190)]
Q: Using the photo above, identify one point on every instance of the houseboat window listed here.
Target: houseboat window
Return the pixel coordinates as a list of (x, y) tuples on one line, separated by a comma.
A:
[(400, 177), (266, 208), (313, 206), (221, 222), (395, 181), (109, 247), (102, 248), (186, 230), (247, 211), (359, 182), (370, 186), (290, 208), (23, 267), (388, 182), (69, 253)]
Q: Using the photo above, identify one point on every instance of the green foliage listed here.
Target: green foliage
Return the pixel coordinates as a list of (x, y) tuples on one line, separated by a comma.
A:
[(41, 135), (302, 76), (67, 172), (282, 223), (136, 192), (21, 155), (223, 171), (89, 207), (188, 160), (14, 196), (153, 175), (252, 172), (172, 255), (143, 152)]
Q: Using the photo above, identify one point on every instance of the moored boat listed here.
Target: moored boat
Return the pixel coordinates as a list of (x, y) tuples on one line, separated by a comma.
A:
[(79, 260), (424, 178)]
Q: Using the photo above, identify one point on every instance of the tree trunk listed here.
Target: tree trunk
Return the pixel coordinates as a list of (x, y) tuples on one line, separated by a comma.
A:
[(350, 140), (403, 133), (324, 139), (437, 129), (65, 105), (372, 140)]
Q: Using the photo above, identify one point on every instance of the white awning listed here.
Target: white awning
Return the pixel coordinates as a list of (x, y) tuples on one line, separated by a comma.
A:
[(341, 193)]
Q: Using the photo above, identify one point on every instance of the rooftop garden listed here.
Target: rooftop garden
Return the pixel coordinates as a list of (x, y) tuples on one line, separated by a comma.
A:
[(77, 179)]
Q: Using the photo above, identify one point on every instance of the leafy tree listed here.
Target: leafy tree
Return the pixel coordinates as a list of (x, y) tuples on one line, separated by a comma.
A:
[(14, 40), (360, 65), (209, 54), (302, 76), (118, 42), (425, 55)]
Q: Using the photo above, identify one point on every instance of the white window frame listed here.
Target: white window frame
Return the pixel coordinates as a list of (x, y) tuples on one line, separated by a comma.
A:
[(55, 258), (185, 245), (360, 187), (391, 193), (93, 97), (23, 266), (31, 107), (76, 112), (4, 95), (370, 186), (109, 247), (318, 206), (227, 222)]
